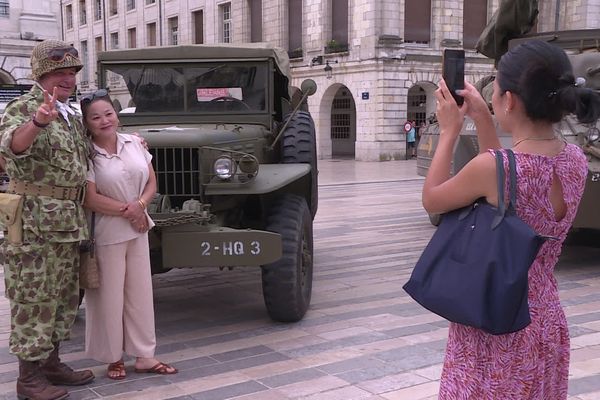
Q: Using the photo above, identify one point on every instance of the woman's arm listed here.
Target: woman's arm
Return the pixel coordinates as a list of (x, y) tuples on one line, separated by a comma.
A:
[(441, 193), (475, 180), (135, 210), (150, 188), (100, 203)]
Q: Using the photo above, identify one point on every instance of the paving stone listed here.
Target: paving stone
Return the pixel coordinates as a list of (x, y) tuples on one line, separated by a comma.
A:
[(336, 344), (292, 377), (352, 364), (410, 330), (576, 331), (582, 318), (231, 391), (243, 353), (584, 385)]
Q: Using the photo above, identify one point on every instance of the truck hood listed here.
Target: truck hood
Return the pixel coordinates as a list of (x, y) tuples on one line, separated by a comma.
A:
[(197, 135)]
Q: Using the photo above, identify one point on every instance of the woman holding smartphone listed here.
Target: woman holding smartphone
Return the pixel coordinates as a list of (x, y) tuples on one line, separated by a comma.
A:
[(534, 88)]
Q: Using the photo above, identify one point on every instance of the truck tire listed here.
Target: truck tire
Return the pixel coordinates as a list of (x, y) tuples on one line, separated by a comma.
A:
[(287, 283), (299, 146)]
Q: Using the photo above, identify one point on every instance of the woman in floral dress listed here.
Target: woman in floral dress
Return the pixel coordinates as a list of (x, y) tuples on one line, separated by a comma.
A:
[(534, 89)]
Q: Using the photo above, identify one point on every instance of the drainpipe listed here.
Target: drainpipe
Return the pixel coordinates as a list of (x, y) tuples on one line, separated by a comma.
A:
[(62, 22), (105, 20), (160, 23), (556, 15)]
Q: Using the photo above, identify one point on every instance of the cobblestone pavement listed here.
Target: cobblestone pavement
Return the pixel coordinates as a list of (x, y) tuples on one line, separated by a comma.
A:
[(362, 338)]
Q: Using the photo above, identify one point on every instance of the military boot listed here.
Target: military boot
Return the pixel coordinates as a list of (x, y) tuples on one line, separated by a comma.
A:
[(33, 385), (59, 373)]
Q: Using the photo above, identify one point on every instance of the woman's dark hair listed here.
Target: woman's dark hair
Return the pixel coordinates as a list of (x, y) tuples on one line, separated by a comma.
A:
[(542, 76), (88, 99)]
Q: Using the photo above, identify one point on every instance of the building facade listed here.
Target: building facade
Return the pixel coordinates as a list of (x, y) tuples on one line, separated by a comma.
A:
[(376, 62), (22, 24)]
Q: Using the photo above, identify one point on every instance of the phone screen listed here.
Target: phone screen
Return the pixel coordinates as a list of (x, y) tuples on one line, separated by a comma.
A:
[(453, 72)]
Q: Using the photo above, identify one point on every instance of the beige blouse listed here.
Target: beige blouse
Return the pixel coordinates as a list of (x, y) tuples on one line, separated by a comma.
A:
[(120, 176)]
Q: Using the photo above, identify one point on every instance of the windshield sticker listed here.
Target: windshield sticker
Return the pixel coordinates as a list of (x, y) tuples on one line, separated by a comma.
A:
[(209, 94)]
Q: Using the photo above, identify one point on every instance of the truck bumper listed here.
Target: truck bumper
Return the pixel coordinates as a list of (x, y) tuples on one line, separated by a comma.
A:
[(220, 247)]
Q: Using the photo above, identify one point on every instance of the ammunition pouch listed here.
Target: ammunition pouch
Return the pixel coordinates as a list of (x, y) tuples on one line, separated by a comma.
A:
[(11, 209)]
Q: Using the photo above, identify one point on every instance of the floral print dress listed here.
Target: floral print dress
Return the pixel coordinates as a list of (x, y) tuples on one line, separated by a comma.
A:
[(532, 363)]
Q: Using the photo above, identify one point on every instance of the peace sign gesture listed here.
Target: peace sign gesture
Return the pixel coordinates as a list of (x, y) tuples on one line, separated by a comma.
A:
[(46, 112)]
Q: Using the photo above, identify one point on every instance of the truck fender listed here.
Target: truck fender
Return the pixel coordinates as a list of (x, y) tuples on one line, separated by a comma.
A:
[(270, 178)]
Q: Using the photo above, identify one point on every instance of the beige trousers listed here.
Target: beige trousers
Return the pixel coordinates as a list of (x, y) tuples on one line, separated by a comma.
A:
[(119, 316)]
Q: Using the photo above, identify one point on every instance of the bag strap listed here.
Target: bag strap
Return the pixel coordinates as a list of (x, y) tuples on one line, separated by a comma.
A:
[(500, 176), (93, 225), (512, 176), (512, 173)]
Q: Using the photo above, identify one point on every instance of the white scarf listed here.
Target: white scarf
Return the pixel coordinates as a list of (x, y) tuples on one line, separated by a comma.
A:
[(65, 109)]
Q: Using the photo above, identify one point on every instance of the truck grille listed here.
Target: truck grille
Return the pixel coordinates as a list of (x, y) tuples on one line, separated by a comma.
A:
[(177, 173)]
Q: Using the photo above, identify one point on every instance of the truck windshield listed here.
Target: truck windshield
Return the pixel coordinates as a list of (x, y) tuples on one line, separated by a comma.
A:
[(188, 88)]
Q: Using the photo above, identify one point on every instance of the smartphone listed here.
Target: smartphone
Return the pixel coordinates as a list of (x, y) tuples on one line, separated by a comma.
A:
[(453, 72)]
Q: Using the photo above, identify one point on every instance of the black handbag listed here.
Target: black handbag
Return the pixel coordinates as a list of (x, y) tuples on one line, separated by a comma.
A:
[(474, 269)]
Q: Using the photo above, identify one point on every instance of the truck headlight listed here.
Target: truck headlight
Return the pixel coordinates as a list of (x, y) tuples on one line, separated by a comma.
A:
[(248, 165), (224, 167)]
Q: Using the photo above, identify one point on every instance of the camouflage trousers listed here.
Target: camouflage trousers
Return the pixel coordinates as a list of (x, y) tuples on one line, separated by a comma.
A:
[(43, 288)]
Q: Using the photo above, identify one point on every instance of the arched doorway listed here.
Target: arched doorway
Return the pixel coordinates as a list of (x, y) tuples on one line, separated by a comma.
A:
[(6, 78), (421, 103), (417, 104), (343, 124)]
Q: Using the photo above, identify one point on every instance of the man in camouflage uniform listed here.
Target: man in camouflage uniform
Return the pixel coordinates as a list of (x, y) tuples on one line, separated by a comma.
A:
[(43, 142)]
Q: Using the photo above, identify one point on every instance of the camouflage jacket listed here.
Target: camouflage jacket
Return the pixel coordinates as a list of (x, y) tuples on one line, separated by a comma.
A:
[(57, 157)]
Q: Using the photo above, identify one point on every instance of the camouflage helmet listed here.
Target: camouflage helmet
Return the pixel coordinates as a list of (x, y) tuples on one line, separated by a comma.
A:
[(50, 55)]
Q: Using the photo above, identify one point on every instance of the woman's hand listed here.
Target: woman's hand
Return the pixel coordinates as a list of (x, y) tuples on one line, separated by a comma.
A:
[(136, 215), (140, 225), (449, 115), (142, 140), (477, 108)]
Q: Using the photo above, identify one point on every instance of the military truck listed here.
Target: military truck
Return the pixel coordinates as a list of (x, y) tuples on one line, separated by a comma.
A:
[(235, 160), (582, 48)]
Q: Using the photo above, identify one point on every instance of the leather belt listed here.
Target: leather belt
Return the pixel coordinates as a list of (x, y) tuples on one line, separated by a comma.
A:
[(76, 193)]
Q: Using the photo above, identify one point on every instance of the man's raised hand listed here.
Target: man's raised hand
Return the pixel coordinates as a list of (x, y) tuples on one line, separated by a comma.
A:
[(46, 112)]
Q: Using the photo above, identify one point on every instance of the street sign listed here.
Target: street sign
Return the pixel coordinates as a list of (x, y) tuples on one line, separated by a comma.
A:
[(407, 126)]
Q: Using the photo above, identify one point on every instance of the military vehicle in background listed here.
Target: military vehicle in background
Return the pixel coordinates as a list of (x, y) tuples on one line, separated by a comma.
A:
[(584, 53), (235, 160)]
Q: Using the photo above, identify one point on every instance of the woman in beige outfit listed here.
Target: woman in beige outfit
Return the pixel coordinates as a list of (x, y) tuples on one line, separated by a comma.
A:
[(121, 182)]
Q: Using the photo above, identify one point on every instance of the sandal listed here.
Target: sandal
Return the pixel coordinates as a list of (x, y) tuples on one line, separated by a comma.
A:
[(159, 368), (117, 369)]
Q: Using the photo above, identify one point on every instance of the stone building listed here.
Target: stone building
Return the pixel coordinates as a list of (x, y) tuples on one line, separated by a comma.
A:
[(376, 62), (22, 24)]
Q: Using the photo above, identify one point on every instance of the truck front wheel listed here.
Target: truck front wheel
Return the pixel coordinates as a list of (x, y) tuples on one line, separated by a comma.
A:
[(287, 283)]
